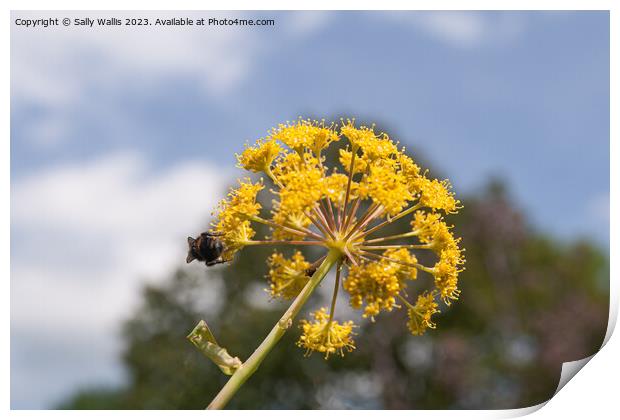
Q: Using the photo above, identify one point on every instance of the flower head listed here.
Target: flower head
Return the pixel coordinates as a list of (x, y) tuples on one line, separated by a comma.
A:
[(260, 157), (420, 314), (287, 276), (300, 181), (326, 335), (305, 134), (446, 272), (233, 218), (386, 187), (342, 210), (378, 283), (437, 195)]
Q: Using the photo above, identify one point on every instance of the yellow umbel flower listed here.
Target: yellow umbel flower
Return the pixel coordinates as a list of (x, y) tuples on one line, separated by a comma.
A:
[(302, 190), (357, 136), (325, 335), (420, 314), (378, 283), (341, 210), (305, 134), (287, 276), (335, 187), (432, 230), (301, 183), (233, 218), (359, 166), (260, 157), (437, 195), (386, 187), (446, 274)]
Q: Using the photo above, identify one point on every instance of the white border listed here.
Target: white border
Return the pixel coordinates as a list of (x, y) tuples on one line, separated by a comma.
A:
[(592, 394)]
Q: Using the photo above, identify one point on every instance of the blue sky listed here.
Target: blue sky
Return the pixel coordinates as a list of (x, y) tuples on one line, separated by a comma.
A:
[(117, 131)]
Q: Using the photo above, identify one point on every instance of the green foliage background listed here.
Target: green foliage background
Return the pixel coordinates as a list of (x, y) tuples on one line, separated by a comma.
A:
[(528, 304)]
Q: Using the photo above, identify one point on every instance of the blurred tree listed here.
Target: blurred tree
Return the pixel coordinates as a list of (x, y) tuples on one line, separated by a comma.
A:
[(528, 304)]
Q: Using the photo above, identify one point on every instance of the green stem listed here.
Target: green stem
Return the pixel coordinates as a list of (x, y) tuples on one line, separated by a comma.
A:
[(249, 367)]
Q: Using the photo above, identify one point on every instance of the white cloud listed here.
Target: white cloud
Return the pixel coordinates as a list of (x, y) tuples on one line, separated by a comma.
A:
[(463, 29), (60, 69), (54, 65), (85, 236)]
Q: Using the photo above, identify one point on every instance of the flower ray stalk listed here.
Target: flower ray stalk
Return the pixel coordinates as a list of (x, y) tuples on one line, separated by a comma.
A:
[(346, 197), (323, 220), (330, 213), (373, 215), (335, 295), (351, 257), (318, 225), (389, 238), (391, 220), (396, 246), (298, 231), (383, 257), (351, 214), (330, 223), (361, 220), (268, 242)]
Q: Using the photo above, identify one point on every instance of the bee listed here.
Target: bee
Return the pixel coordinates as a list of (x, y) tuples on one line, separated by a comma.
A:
[(208, 247)]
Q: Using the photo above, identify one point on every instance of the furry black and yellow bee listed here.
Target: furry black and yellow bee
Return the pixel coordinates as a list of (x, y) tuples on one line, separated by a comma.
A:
[(207, 248)]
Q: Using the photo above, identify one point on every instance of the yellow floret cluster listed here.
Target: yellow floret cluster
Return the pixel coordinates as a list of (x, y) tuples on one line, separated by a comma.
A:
[(420, 314), (436, 234), (287, 276), (305, 134), (259, 157), (233, 218), (325, 336), (377, 283)]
